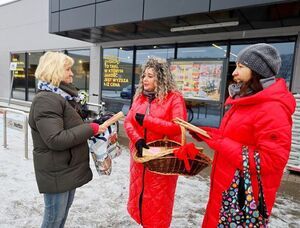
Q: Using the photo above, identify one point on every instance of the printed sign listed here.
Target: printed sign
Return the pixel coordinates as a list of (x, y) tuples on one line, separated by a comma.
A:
[(115, 77), (15, 124), (13, 66), (198, 79)]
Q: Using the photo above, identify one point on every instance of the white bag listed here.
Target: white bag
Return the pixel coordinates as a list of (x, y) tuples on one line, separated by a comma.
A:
[(104, 148)]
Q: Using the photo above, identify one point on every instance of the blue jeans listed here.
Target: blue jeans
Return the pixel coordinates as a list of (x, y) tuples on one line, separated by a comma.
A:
[(57, 206)]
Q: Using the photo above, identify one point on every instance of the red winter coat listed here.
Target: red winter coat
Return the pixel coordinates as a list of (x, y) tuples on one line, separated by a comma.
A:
[(151, 195), (262, 122)]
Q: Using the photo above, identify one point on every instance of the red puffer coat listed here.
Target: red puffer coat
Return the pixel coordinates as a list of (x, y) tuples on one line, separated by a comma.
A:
[(262, 122), (151, 195)]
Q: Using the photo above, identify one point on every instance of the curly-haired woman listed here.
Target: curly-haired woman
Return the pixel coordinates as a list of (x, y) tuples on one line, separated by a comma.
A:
[(156, 103)]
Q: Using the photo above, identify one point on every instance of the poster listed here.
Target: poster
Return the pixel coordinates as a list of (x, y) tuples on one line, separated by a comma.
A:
[(198, 79), (116, 73)]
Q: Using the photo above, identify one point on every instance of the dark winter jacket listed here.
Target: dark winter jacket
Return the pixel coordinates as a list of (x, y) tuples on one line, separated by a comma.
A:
[(151, 195), (262, 122), (60, 150)]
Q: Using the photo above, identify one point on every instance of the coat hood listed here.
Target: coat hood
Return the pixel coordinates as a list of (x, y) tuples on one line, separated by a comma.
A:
[(276, 92)]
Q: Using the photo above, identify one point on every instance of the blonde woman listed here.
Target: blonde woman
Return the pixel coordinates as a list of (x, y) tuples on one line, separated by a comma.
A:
[(60, 150), (156, 103)]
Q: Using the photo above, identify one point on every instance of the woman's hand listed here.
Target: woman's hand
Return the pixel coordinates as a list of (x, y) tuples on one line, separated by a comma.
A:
[(102, 128), (139, 145)]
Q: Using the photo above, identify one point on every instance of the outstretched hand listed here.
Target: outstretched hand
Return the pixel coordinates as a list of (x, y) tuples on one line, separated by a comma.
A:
[(213, 142)]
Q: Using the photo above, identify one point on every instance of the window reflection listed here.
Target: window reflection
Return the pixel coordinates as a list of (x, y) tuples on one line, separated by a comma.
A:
[(144, 53), (33, 61), (203, 112), (18, 76), (117, 78), (213, 50), (81, 68)]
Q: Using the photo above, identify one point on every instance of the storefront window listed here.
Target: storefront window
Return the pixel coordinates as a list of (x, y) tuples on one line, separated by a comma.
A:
[(81, 68), (200, 73), (18, 76), (117, 78), (33, 61), (144, 53), (213, 50)]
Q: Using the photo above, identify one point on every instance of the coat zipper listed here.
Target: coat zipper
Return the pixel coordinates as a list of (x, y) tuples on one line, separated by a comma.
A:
[(144, 171)]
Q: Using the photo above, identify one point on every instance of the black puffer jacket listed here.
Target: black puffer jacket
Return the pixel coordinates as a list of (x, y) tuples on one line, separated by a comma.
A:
[(60, 154)]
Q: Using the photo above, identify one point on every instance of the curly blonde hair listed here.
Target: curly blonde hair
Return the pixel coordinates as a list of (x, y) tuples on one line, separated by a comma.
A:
[(164, 79)]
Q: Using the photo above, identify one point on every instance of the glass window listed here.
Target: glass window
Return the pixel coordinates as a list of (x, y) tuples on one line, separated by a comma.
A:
[(33, 61), (213, 50), (18, 76), (117, 78), (143, 53), (81, 68), (204, 112)]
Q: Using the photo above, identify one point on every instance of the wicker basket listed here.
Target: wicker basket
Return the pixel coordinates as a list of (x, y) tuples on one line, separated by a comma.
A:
[(165, 161)]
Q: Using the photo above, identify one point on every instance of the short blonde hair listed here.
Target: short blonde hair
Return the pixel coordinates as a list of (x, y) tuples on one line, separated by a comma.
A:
[(52, 67)]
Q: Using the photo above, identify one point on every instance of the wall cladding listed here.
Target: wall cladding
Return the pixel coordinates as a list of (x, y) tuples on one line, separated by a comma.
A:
[(118, 11), (78, 14), (167, 8), (77, 18), (67, 4), (229, 4)]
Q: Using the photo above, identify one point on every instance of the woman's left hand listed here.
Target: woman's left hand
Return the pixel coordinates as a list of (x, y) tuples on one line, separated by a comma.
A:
[(214, 142)]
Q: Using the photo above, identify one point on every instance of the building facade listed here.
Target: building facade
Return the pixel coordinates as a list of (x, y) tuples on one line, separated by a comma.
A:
[(111, 39)]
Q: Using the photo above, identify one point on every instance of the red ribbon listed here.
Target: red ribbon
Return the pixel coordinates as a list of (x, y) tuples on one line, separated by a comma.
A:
[(186, 152)]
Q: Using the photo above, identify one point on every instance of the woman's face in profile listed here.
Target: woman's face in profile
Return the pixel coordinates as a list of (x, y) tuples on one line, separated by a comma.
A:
[(241, 73), (149, 80), (68, 77)]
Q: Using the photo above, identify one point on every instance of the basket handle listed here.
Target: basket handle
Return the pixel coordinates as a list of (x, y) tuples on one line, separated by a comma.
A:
[(183, 136)]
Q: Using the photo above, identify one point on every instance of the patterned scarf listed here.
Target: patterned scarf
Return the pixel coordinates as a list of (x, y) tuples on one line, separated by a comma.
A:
[(235, 88), (46, 86)]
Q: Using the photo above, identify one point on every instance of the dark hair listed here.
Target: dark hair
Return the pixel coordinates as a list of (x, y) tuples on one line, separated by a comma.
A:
[(253, 85)]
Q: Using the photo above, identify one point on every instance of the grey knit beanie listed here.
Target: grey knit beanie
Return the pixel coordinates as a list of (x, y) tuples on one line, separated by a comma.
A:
[(262, 58)]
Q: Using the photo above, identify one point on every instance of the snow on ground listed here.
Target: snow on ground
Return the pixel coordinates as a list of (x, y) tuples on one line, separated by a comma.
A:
[(102, 202)]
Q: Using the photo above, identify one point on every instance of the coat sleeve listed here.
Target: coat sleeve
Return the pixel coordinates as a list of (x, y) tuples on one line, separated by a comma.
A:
[(48, 116), (177, 108), (272, 141), (229, 149), (273, 138), (130, 129)]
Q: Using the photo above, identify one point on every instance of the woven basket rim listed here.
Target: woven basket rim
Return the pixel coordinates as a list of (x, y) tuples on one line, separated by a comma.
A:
[(169, 151), (199, 167)]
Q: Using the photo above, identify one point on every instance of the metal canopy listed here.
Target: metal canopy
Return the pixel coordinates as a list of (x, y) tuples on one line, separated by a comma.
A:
[(270, 16)]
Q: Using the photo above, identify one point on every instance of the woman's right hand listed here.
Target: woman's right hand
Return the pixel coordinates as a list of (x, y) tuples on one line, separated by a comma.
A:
[(102, 128), (98, 129)]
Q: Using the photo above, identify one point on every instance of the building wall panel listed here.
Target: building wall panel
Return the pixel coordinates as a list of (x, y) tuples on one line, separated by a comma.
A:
[(229, 4), (168, 8), (67, 4), (118, 11), (82, 17)]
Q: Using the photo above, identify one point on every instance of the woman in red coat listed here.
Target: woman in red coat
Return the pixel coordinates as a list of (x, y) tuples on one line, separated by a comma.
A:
[(156, 103), (259, 118)]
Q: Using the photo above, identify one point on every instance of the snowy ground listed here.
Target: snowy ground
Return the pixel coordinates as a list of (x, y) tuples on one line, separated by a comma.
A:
[(102, 202)]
